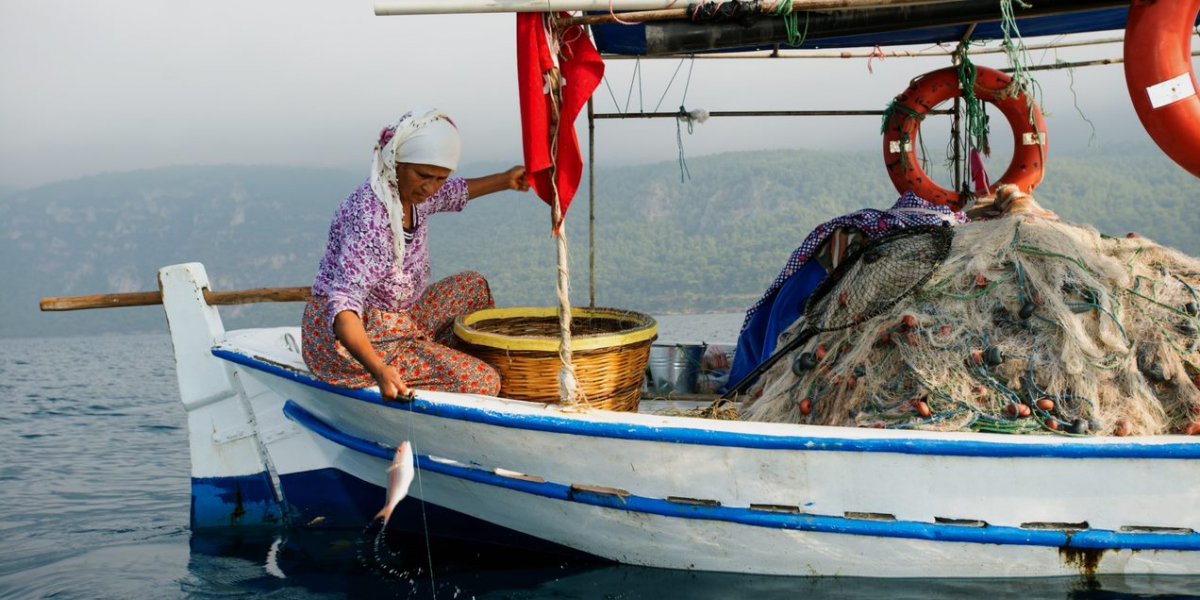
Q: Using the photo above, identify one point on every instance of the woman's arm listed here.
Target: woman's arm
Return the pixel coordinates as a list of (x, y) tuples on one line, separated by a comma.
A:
[(348, 328), (512, 179)]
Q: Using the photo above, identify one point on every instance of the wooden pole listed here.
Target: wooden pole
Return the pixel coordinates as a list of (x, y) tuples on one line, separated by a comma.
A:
[(758, 113), (282, 294), (1072, 65), (671, 14)]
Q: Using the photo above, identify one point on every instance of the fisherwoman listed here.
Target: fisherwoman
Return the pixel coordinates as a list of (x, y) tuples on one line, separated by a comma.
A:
[(373, 318)]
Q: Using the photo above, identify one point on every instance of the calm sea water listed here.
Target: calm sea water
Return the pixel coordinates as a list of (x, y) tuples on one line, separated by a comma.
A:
[(94, 504)]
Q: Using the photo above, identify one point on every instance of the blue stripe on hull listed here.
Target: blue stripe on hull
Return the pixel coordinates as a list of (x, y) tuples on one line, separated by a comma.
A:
[(243, 500), (1090, 539), (345, 501), (966, 446), (332, 499)]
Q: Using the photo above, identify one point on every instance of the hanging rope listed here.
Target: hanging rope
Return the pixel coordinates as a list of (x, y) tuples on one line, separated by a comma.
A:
[(684, 115), (691, 117), (568, 387), (891, 109), (974, 111), (791, 23), (1018, 56), (1075, 101)]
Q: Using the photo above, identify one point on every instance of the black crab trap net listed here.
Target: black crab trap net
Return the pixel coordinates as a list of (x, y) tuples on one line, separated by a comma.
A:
[(1018, 325)]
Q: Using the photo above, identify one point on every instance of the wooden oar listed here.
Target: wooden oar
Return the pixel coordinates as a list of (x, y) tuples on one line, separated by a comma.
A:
[(282, 294)]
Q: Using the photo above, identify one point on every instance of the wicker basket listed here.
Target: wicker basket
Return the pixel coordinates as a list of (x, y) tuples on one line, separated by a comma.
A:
[(609, 347)]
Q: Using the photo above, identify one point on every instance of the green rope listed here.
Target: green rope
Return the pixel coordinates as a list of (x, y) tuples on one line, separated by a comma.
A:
[(1018, 56), (894, 107), (1039, 252), (1167, 307), (791, 23), (975, 112)]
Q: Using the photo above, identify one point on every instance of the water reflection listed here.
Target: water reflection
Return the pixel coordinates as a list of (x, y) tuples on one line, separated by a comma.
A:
[(321, 564)]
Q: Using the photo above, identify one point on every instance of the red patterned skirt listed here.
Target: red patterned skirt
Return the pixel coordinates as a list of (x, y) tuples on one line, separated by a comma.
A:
[(414, 341)]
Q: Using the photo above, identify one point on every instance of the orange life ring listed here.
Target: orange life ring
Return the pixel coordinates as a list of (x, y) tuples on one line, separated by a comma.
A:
[(1158, 71), (930, 90)]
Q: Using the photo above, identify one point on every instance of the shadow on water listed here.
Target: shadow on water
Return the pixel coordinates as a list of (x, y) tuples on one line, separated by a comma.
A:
[(320, 563)]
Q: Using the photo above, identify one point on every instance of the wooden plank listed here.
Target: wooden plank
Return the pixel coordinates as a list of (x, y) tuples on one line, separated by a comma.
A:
[(101, 301), (283, 294)]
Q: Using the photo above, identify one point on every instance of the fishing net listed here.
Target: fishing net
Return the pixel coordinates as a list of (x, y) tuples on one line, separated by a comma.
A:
[(1029, 325), (866, 284), (877, 277)]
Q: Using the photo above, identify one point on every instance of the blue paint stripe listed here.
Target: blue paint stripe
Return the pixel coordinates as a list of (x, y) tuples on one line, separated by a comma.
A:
[(1087, 539), (235, 500), (679, 435)]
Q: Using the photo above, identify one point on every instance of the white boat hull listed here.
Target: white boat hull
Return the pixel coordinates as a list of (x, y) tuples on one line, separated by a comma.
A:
[(687, 493)]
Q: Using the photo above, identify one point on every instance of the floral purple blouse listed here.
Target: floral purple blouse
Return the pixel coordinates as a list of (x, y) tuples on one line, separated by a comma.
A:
[(357, 269)]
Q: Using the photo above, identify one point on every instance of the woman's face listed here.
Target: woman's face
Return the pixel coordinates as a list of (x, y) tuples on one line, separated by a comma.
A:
[(417, 182)]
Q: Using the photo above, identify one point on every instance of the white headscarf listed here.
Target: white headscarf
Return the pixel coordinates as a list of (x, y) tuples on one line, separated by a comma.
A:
[(423, 136)]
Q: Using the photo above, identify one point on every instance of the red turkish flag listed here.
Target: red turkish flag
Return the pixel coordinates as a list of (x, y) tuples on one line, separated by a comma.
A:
[(581, 70)]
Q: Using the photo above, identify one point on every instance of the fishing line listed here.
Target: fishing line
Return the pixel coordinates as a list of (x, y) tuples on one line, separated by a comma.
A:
[(421, 490)]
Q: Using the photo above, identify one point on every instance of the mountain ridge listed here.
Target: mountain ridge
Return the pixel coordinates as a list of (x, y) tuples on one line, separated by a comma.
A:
[(711, 243)]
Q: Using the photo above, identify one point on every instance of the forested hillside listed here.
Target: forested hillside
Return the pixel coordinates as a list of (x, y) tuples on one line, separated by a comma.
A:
[(711, 243)]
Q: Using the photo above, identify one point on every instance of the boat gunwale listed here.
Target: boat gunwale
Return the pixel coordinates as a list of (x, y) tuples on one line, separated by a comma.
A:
[(626, 426)]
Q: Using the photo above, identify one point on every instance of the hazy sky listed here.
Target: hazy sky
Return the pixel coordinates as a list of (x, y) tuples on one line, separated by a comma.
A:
[(89, 87)]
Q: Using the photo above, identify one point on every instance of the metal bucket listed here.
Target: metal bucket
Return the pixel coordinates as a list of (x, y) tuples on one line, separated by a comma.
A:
[(674, 368)]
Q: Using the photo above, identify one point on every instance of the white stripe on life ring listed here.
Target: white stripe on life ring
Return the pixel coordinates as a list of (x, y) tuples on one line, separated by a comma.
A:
[(1171, 91)]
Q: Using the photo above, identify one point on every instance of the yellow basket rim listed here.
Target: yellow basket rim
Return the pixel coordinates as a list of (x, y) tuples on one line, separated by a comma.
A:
[(537, 343)]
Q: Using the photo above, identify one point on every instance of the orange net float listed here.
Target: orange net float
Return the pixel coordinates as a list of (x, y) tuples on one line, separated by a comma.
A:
[(1161, 81), (931, 89)]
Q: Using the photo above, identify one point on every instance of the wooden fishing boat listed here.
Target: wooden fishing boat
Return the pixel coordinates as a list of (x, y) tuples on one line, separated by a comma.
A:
[(272, 446)]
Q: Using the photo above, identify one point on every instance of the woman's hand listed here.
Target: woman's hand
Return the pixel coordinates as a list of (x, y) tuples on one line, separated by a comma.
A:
[(391, 385), (517, 181), (348, 329), (513, 179)]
